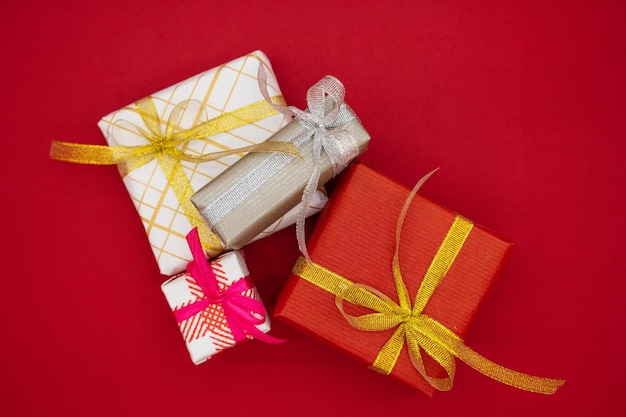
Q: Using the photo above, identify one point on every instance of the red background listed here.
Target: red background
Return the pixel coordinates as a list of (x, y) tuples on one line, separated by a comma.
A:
[(520, 103)]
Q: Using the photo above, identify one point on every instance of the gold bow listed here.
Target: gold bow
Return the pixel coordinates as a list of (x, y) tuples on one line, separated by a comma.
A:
[(417, 330), (165, 148)]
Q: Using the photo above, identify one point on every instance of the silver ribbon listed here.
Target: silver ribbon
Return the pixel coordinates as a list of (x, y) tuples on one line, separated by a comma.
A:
[(325, 130), (339, 144)]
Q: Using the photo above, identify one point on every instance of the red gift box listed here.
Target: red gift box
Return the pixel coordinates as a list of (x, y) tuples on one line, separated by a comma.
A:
[(355, 238)]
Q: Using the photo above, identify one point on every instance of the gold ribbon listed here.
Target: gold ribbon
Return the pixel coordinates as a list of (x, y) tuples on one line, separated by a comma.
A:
[(165, 148), (417, 330)]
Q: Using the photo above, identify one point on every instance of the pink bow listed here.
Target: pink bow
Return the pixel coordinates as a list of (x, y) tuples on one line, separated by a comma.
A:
[(242, 313)]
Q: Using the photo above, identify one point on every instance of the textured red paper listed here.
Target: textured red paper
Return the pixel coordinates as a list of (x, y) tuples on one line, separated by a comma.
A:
[(355, 238), (521, 104)]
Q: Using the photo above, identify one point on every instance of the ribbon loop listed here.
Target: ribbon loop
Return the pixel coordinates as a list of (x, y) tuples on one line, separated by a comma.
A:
[(242, 313), (388, 314), (322, 121), (315, 98)]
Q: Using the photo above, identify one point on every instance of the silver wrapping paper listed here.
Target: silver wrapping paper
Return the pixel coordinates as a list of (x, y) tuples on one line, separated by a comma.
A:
[(259, 192)]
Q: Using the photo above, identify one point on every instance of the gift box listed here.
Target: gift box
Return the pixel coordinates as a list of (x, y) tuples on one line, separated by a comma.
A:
[(256, 190), (400, 306), (216, 304), (173, 142)]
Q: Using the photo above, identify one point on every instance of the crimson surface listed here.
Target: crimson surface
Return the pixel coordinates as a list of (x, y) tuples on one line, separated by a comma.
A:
[(521, 105)]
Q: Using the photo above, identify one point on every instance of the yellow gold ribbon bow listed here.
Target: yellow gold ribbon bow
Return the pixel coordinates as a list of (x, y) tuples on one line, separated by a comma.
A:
[(417, 330), (165, 146)]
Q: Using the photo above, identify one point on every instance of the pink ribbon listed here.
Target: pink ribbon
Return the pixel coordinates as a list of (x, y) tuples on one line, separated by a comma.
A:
[(242, 313)]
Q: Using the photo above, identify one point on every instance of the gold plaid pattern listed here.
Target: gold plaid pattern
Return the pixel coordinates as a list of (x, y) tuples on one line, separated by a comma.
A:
[(220, 90)]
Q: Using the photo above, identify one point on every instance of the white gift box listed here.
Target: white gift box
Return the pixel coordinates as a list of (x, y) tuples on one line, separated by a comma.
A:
[(208, 333), (222, 90)]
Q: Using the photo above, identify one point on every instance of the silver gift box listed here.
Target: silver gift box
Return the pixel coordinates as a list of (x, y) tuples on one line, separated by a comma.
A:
[(259, 188)]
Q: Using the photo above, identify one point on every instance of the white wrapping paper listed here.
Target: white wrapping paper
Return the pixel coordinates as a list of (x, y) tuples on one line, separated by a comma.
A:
[(207, 333), (220, 90)]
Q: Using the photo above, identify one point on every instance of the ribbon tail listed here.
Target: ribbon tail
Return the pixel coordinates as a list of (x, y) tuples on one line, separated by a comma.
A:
[(88, 154), (277, 105), (403, 294), (389, 353), (126, 158), (507, 376), (263, 337), (243, 322), (307, 196), (244, 313)]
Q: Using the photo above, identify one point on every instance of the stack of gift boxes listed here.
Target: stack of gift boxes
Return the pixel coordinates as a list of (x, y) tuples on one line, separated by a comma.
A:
[(219, 160)]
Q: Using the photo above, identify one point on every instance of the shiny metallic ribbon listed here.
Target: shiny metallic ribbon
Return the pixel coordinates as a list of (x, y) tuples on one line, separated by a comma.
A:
[(322, 127), (242, 313), (165, 146), (413, 328)]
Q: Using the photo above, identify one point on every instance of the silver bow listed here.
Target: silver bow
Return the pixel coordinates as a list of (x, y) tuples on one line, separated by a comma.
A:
[(325, 127)]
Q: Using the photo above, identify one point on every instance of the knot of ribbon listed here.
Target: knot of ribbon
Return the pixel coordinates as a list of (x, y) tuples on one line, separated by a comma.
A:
[(322, 120), (242, 313), (164, 144), (413, 328)]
